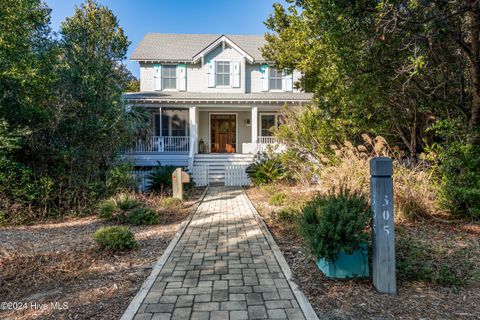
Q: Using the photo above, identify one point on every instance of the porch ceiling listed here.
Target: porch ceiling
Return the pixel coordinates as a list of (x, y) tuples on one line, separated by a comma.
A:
[(175, 97)]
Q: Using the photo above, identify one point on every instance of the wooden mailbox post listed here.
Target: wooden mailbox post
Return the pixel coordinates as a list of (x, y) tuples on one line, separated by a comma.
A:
[(383, 232), (179, 177)]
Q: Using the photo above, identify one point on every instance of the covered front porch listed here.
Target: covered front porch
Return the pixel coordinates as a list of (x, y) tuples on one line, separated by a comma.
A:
[(180, 133)]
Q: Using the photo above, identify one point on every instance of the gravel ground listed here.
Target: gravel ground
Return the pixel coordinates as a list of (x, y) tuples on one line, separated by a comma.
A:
[(60, 263), (357, 299)]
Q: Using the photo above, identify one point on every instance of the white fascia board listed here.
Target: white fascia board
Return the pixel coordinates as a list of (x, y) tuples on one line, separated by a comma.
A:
[(222, 40)]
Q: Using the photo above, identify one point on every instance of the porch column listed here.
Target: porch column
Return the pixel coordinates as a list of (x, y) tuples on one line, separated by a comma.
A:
[(254, 122), (193, 130)]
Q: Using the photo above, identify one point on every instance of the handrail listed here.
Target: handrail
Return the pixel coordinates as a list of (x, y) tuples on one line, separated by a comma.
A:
[(159, 144)]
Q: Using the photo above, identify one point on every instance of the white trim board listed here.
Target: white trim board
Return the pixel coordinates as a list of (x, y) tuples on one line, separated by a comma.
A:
[(221, 40)]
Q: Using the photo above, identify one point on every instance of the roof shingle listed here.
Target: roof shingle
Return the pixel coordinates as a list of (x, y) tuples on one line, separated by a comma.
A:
[(182, 47)]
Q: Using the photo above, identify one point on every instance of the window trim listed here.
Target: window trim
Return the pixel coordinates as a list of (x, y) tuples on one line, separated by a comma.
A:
[(230, 74), (282, 89), (170, 126), (162, 77), (260, 127)]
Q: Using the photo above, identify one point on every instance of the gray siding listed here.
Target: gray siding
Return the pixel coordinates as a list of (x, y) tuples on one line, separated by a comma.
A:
[(244, 132), (197, 75)]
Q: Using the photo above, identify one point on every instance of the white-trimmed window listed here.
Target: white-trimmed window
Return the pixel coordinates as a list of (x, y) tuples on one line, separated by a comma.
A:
[(171, 123), (275, 79), (268, 121), (169, 77), (222, 73)]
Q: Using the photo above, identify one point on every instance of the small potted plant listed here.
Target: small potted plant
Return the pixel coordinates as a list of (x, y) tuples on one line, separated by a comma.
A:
[(334, 228)]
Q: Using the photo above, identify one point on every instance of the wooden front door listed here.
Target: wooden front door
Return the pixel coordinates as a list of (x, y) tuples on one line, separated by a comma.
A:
[(223, 135)]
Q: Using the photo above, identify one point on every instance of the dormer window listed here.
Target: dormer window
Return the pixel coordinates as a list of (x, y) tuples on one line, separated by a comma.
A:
[(275, 79), (169, 77), (222, 73)]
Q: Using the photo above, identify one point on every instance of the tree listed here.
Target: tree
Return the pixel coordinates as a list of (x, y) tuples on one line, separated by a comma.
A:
[(440, 25), (62, 121), (92, 124), (25, 76), (371, 68), (407, 70)]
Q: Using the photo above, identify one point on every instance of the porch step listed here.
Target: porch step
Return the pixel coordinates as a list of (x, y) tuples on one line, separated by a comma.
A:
[(216, 164)]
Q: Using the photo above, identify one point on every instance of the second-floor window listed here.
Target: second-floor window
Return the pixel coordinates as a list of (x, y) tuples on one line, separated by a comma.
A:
[(275, 79), (169, 77), (222, 73)]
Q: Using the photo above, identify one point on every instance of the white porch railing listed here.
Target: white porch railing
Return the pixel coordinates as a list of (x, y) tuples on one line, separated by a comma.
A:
[(158, 144), (267, 140), (263, 143)]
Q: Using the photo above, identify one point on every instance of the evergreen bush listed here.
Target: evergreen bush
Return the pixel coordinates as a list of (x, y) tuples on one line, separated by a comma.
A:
[(334, 223), (115, 238), (142, 216), (460, 179)]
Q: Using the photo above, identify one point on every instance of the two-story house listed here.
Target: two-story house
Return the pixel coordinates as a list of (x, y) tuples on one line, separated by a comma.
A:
[(212, 101)]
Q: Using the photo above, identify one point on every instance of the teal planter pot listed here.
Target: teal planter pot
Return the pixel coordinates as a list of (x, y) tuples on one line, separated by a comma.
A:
[(353, 265)]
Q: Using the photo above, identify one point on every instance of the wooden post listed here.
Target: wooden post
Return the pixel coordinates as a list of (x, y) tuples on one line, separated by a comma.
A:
[(383, 232), (177, 185)]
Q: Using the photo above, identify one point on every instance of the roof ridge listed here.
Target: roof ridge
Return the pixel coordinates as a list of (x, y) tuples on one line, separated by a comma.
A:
[(205, 34)]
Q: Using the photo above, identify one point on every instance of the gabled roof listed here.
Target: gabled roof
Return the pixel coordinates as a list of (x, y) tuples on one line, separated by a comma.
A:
[(184, 47), (222, 40)]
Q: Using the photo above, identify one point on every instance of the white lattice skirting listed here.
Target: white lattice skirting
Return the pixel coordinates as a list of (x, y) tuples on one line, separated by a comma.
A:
[(235, 175), (200, 175)]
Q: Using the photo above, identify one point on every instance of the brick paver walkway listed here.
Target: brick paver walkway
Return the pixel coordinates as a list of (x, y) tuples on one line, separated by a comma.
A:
[(221, 268)]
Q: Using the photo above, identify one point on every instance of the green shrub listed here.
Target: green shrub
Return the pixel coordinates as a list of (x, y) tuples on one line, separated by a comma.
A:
[(287, 215), (124, 208), (330, 224), (266, 171), (115, 238), (278, 199), (126, 202), (107, 209), (161, 178), (460, 179), (120, 178), (170, 202), (139, 216)]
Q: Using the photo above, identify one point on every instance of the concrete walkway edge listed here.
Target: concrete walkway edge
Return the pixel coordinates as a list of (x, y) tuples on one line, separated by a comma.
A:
[(305, 305), (147, 285)]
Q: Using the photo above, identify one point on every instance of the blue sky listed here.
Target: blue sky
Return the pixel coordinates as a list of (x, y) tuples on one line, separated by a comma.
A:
[(139, 17)]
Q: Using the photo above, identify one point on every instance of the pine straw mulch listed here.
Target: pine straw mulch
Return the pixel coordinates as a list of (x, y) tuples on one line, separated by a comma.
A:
[(357, 299), (60, 262)]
